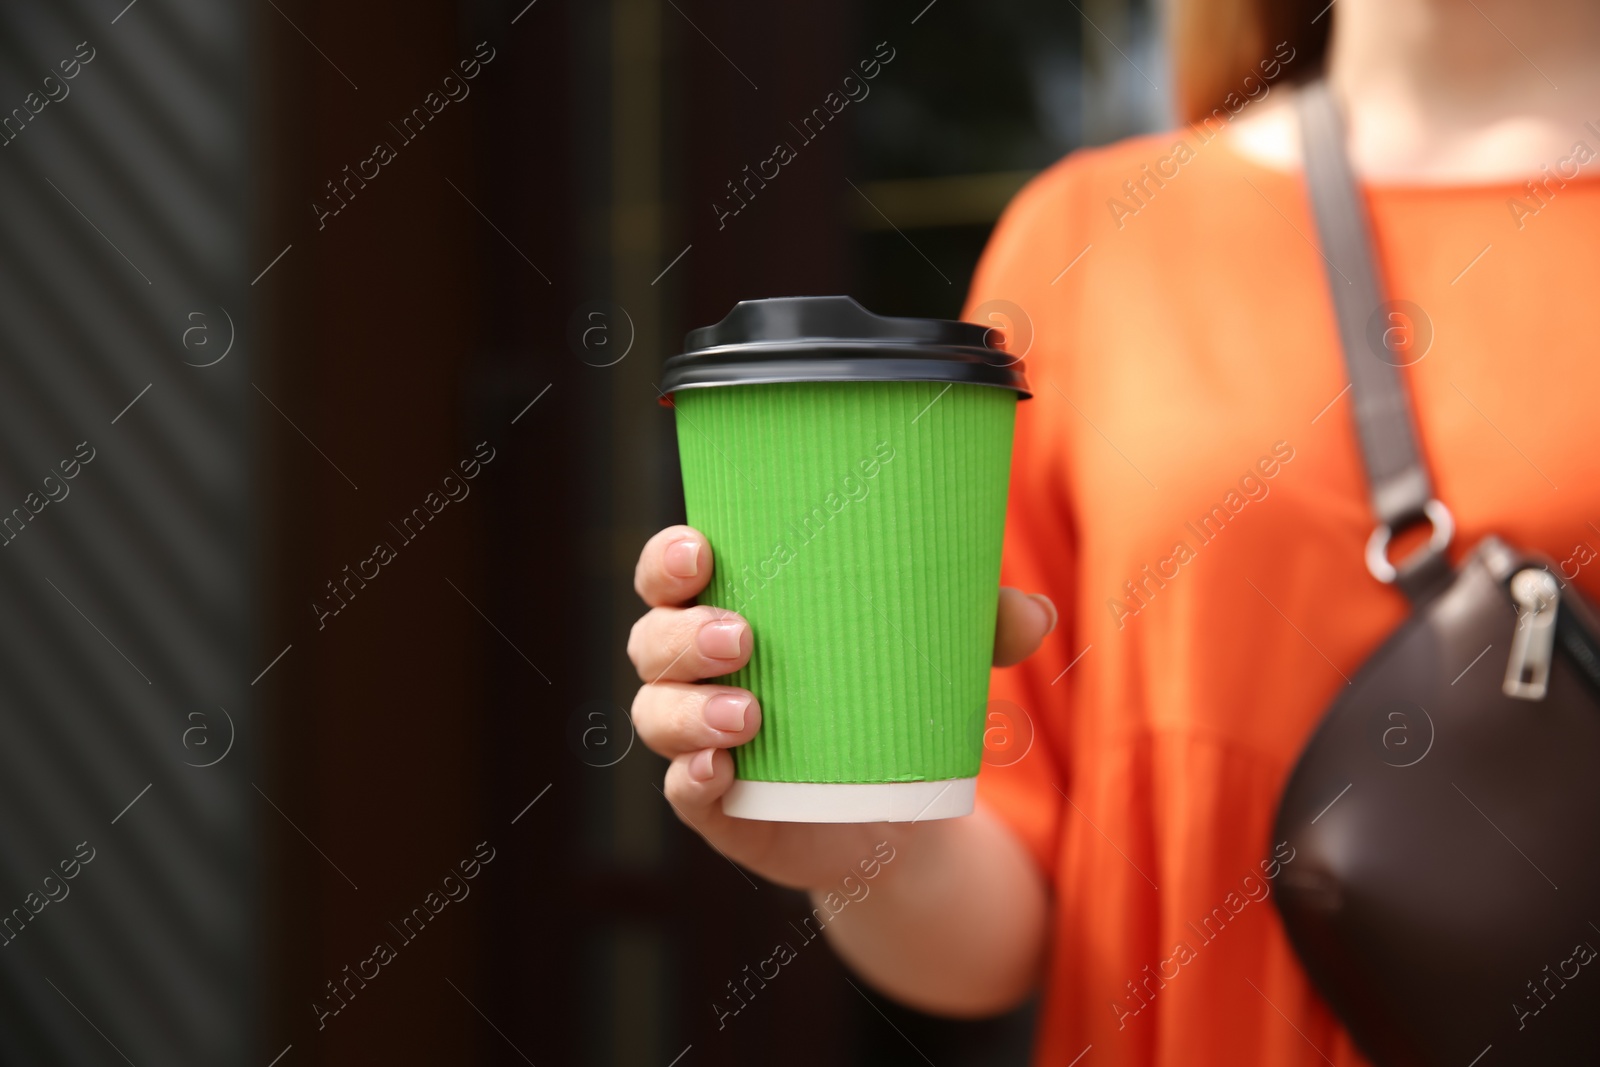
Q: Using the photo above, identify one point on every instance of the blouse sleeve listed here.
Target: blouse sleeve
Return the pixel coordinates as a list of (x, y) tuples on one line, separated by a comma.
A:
[(1024, 775)]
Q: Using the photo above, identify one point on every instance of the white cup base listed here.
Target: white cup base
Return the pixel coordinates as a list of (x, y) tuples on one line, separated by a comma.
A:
[(851, 802)]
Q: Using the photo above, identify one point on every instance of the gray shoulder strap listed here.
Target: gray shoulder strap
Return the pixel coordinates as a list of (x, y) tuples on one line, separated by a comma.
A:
[(1402, 493)]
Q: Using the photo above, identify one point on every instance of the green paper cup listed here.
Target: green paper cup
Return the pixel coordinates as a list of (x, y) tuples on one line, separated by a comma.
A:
[(850, 472)]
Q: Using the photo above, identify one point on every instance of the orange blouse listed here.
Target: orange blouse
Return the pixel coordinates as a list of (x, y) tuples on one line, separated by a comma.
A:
[(1187, 487)]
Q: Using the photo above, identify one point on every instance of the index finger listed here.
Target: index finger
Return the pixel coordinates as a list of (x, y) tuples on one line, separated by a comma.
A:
[(673, 568)]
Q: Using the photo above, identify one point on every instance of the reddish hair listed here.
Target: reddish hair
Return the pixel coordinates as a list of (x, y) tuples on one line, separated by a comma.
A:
[(1217, 44)]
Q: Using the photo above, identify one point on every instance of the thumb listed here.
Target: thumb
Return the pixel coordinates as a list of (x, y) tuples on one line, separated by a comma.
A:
[(1024, 621)]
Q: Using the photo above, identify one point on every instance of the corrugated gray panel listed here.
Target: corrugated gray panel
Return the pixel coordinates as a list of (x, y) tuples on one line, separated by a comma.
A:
[(125, 605)]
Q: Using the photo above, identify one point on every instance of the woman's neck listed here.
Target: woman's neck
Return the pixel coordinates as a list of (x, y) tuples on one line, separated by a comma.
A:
[(1450, 91)]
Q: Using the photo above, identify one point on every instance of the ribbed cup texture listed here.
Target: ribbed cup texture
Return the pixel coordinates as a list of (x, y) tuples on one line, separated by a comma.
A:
[(857, 526)]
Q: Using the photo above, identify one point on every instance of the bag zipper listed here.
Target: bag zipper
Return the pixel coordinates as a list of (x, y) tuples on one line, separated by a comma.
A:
[(1581, 645), (1538, 600), (1540, 624)]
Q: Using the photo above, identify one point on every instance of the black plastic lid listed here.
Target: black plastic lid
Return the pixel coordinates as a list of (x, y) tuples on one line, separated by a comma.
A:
[(835, 339)]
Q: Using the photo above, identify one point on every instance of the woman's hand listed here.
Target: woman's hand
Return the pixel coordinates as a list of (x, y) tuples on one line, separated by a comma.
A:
[(692, 723)]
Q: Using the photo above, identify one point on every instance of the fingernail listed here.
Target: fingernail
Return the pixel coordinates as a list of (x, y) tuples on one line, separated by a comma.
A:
[(720, 640), (682, 559), (700, 768), (725, 711), (1050, 609)]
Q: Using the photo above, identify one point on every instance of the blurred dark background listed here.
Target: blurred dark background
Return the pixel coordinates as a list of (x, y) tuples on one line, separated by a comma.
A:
[(277, 340)]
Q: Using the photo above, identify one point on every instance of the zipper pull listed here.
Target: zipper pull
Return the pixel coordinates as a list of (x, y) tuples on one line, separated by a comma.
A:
[(1532, 645)]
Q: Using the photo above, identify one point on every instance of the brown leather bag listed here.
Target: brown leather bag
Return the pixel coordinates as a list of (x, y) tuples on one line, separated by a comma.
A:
[(1446, 812)]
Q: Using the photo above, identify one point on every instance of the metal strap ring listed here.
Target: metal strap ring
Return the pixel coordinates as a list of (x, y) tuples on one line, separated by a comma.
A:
[(1444, 529)]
